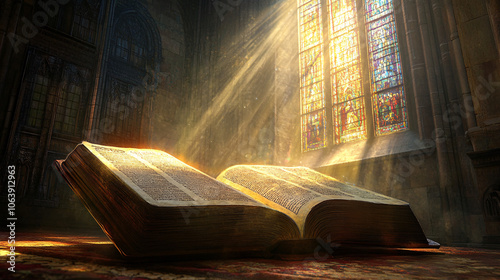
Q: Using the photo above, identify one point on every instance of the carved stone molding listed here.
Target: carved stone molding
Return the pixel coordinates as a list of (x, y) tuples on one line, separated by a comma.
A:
[(485, 158)]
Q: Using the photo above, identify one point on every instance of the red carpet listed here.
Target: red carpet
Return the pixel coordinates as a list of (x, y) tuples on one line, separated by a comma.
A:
[(77, 256)]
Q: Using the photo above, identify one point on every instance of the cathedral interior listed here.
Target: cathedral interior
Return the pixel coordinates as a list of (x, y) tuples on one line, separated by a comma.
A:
[(401, 97)]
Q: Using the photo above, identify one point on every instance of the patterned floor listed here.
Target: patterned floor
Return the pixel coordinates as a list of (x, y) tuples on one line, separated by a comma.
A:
[(78, 256)]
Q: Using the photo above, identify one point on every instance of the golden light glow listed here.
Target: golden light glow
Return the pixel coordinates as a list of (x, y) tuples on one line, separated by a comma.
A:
[(65, 241), (45, 243), (76, 268), (5, 252), (227, 82), (18, 244)]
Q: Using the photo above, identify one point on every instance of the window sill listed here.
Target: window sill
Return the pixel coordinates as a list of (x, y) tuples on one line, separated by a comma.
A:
[(397, 143)]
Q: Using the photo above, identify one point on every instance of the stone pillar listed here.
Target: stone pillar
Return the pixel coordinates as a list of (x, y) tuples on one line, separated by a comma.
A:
[(463, 82), (494, 13), (418, 71), (450, 194)]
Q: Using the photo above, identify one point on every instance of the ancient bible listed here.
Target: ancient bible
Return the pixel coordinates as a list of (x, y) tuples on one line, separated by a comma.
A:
[(149, 203)]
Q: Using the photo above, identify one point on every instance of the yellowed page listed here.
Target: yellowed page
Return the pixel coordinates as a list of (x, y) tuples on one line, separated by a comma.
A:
[(294, 191), (286, 197), (163, 180), (326, 185)]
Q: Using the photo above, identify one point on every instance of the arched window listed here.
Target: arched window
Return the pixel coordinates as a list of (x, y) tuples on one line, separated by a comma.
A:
[(69, 114), (58, 87), (133, 52), (85, 18), (362, 91), (130, 44), (77, 18), (41, 85), (67, 109)]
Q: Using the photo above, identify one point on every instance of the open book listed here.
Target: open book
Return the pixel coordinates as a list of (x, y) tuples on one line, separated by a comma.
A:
[(150, 203)]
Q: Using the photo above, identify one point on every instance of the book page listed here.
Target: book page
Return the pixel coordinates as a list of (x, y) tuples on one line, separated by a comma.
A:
[(327, 185), (201, 185), (162, 179), (290, 196), (284, 196), (294, 190)]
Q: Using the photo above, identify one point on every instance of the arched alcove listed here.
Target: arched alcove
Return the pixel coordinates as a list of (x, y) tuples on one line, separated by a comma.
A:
[(133, 54)]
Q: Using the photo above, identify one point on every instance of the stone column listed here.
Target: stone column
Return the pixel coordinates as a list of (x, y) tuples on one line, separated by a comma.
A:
[(418, 71), (494, 13)]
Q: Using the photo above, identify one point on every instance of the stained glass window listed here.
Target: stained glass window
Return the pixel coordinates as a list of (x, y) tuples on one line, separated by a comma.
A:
[(388, 97), (311, 72), (345, 67), (349, 27)]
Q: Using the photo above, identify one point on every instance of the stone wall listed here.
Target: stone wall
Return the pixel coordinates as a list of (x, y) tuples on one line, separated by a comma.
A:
[(478, 28)]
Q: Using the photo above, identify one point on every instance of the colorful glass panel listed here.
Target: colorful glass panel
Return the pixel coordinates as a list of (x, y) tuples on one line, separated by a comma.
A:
[(311, 75), (390, 110), (345, 66), (310, 28), (302, 2), (350, 121), (311, 66), (313, 131), (313, 98), (386, 75), (377, 9)]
